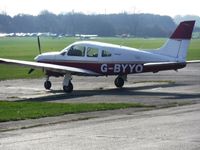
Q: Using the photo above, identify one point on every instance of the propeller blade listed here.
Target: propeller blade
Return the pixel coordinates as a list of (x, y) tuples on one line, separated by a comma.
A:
[(31, 70), (39, 47)]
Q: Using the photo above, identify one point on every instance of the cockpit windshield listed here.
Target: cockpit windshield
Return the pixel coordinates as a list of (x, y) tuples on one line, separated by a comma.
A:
[(65, 49), (76, 50)]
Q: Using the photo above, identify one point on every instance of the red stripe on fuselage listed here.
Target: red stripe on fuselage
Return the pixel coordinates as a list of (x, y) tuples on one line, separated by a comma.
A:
[(118, 68), (103, 68)]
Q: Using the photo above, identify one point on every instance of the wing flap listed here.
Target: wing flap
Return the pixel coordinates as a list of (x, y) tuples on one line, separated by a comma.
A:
[(46, 66)]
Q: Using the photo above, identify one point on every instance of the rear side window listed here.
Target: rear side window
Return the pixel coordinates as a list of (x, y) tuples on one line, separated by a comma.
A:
[(76, 50), (106, 53), (92, 52)]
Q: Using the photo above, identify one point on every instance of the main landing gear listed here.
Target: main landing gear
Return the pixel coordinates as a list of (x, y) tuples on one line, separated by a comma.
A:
[(47, 84), (119, 81), (67, 84)]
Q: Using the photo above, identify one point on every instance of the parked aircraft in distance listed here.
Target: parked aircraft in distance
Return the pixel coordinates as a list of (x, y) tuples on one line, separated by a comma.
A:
[(89, 58), (86, 36)]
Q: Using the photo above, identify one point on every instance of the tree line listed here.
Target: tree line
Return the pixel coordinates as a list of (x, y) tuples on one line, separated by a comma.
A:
[(138, 25)]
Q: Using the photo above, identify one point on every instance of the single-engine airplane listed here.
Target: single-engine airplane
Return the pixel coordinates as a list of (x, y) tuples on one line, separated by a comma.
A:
[(91, 58)]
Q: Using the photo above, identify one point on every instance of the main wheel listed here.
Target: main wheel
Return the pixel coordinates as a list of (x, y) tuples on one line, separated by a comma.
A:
[(47, 85), (119, 82), (69, 88)]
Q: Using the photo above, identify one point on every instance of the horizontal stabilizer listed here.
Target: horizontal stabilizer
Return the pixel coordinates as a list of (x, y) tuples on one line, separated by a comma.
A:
[(193, 61)]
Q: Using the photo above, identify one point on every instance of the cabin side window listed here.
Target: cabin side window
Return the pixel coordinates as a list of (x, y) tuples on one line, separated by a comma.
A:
[(76, 50), (92, 52), (106, 53)]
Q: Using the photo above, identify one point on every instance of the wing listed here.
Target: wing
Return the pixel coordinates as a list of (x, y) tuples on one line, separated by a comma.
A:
[(51, 67)]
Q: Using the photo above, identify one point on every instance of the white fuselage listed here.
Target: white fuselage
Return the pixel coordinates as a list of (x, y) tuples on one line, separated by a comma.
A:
[(118, 59)]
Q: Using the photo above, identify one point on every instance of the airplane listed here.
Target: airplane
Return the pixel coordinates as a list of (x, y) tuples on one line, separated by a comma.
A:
[(86, 36), (90, 58)]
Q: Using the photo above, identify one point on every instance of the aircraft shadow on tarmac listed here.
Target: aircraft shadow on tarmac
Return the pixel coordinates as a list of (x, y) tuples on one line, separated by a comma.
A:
[(126, 91)]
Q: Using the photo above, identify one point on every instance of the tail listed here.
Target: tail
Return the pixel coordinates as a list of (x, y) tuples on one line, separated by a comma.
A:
[(178, 43)]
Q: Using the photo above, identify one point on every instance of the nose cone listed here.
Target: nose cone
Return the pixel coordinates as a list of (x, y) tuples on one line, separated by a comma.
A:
[(50, 56)]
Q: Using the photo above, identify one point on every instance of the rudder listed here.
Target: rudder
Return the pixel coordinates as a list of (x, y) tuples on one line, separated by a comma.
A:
[(178, 43)]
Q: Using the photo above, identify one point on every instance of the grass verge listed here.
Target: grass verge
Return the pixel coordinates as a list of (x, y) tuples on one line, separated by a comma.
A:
[(12, 111)]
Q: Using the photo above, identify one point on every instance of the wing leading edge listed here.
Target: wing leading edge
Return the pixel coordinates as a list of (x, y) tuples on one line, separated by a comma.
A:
[(51, 67)]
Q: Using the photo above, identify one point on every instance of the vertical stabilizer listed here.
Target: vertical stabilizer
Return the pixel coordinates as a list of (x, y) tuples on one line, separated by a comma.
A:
[(178, 43)]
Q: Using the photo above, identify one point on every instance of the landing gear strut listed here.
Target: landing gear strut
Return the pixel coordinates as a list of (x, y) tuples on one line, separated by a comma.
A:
[(67, 84), (47, 84), (119, 81)]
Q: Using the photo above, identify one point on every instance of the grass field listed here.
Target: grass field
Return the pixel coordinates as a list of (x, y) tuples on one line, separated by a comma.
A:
[(32, 110), (26, 49)]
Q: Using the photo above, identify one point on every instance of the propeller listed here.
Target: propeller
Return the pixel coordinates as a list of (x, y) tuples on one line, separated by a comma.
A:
[(30, 71), (39, 47), (40, 52)]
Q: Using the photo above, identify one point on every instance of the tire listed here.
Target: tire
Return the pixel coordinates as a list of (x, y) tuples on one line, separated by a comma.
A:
[(69, 88), (47, 85), (119, 82)]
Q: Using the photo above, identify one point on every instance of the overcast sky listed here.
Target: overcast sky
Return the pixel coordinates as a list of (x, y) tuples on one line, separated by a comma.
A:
[(162, 7)]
